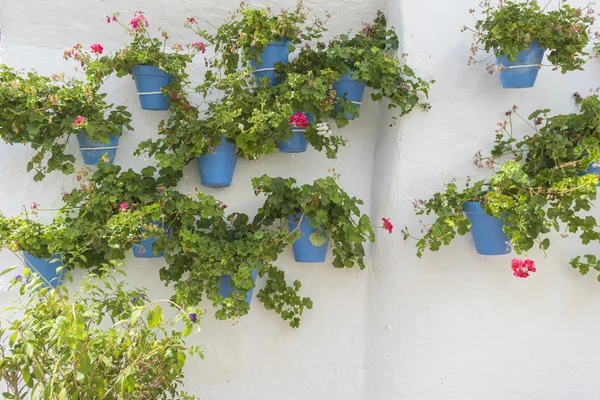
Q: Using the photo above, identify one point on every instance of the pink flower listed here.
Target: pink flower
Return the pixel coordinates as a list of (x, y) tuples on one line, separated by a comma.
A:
[(299, 120), (138, 20), (123, 206), (79, 121), (107, 19), (522, 268), (96, 48), (34, 206), (387, 225), (199, 46)]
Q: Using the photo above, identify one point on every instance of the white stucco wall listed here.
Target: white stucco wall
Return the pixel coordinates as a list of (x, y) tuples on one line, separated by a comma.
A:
[(452, 325)]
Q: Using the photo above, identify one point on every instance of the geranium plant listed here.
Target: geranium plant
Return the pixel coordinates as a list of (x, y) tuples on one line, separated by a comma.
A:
[(57, 346), (368, 56), (45, 112), (249, 30), (329, 208), (509, 27), (541, 183)]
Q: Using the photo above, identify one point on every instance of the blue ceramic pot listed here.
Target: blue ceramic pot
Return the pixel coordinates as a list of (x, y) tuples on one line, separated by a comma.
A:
[(225, 287), (272, 54), (304, 250), (146, 247), (353, 90), (93, 150), (487, 233), (216, 170), (46, 268), (149, 80), (297, 143), (523, 72)]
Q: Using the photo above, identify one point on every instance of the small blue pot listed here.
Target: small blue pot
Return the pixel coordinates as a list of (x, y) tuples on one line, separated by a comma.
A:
[(304, 250), (146, 247), (225, 287), (594, 170), (216, 170), (487, 233), (93, 150), (297, 143), (353, 90), (46, 268), (523, 72), (149, 80), (272, 54)]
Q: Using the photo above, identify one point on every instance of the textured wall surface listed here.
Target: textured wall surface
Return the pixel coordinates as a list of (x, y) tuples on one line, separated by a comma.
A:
[(452, 325)]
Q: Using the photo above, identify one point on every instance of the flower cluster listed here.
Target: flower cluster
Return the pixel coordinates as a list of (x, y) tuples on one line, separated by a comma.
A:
[(299, 120), (97, 48), (522, 268), (324, 129), (138, 21), (387, 225), (79, 121), (199, 46)]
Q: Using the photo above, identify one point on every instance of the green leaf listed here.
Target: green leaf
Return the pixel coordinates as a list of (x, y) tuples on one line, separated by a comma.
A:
[(6, 271), (317, 239), (155, 317)]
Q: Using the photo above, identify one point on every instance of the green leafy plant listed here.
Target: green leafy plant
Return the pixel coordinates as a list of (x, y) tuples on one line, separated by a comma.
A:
[(541, 184), (511, 26), (368, 56), (45, 112), (330, 209), (58, 345), (249, 30)]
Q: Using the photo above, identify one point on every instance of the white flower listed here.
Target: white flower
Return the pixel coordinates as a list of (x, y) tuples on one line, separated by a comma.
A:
[(324, 129)]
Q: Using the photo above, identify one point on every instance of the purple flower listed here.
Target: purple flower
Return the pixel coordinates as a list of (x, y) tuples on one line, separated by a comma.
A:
[(142, 296), (193, 317), (134, 300), (18, 278)]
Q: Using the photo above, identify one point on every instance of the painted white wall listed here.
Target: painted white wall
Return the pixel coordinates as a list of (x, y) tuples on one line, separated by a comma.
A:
[(452, 325)]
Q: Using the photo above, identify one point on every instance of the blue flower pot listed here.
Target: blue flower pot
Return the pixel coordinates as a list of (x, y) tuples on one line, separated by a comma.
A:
[(46, 268), (489, 238), (523, 72), (304, 250), (216, 170), (272, 54), (93, 150), (297, 143), (353, 90), (225, 287), (593, 170), (146, 247), (149, 80)]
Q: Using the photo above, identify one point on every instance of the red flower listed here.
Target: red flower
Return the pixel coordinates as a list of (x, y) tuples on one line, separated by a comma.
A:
[(522, 268), (79, 121), (123, 206), (299, 120), (191, 20), (199, 46), (96, 48), (138, 20), (387, 225)]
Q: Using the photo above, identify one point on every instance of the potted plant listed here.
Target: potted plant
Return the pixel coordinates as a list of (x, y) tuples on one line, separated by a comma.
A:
[(259, 38), (157, 73), (364, 60), (298, 124), (45, 111), (55, 345), (520, 33), (541, 185), (33, 242), (318, 213)]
